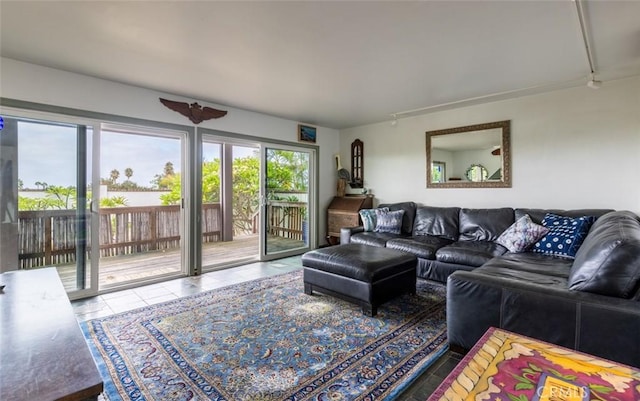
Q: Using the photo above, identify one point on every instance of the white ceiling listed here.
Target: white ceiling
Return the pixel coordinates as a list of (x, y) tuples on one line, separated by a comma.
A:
[(334, 64)]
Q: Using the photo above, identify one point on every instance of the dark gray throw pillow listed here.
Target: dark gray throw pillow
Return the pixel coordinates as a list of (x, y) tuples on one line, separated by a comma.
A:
[(388, 221)]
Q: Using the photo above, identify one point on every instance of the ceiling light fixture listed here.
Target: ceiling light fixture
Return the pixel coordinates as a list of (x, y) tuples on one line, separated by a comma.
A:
[(394, 122), (592, 83)]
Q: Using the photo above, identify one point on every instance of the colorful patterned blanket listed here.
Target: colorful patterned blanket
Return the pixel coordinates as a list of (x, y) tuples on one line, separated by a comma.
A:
[(504, 366)]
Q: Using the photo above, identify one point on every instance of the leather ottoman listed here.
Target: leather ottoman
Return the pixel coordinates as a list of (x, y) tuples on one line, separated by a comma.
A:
[(362, 274)]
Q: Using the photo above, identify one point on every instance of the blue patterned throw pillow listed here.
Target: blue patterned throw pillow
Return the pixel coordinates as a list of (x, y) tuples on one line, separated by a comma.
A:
[(389, 222), (565, 235), (521, 235), (368, 217)]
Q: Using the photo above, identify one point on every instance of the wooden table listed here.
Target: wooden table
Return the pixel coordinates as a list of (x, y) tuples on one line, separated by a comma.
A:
[(43, 354), (507, 366)]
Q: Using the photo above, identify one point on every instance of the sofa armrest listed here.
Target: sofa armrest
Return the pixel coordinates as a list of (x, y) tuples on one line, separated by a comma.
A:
[(347, 232), (599, 325)]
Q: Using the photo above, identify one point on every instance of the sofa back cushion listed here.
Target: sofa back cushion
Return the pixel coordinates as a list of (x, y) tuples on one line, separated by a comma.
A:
[(409, 214), (484, 224), (608, 262), (537, 215), (439, 222)]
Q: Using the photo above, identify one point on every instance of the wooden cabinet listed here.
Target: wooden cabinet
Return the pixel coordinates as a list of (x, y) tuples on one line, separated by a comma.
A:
[(343, 212)]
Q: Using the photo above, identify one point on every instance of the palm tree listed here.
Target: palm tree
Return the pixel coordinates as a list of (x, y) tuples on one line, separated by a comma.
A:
[(114, 175), (44, 185), (128, 172), (168, 169)]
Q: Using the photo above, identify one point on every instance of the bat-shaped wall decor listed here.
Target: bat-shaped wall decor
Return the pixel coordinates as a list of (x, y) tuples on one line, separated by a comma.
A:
[(194, 111)]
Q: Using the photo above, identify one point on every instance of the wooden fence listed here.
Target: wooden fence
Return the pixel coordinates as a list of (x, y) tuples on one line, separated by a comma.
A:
[(48, 237)]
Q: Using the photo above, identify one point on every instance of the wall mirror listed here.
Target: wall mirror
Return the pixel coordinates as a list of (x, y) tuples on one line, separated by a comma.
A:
[(473, 156)]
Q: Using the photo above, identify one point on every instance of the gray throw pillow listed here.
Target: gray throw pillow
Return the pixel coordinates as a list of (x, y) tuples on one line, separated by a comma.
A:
[(389, 221), (368, 217)]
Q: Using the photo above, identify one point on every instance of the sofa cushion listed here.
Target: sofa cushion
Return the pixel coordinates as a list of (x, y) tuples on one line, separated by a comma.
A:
[(471, 253), (372, 238), (484, 224), (423, 246), (565, 235), (533, 262), (521, 235), (388, 221), (437, 221), (608, 262), (409, 214), (368, 217), (527, 277)]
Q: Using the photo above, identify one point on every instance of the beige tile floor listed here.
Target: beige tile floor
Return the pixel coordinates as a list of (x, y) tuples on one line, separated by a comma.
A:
[(125, 300)]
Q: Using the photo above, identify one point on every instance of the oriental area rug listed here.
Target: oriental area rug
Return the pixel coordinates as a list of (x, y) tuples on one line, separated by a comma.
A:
[(267, 340)]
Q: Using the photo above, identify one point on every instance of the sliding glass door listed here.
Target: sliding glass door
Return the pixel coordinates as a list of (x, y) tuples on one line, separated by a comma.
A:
[(287, 200), (258, 201), (230, 202), (106, 203), (141, 217), (102, 203), (46, 196)]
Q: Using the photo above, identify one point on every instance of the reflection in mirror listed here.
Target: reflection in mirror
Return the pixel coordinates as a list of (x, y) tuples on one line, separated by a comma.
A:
[(438, 171), (476, 173), (475, 156)]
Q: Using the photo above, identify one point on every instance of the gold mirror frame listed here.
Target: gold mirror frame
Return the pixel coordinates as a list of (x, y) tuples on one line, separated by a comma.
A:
[(505, 150)]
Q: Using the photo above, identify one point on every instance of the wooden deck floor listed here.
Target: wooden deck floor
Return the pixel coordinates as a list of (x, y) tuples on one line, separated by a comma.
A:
[(116, 270)]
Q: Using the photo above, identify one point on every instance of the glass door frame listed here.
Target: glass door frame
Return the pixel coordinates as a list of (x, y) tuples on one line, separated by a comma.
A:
[(226, 187), (265, 255), (262, 143), (90, 214), (184, 205), (38, 111)]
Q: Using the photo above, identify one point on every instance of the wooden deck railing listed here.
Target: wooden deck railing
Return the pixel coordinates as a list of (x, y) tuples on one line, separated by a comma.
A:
[(48, 237), (285, 219)]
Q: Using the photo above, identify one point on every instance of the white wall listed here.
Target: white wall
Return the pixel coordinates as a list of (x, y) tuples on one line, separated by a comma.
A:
[(574, 148), (38, 84)]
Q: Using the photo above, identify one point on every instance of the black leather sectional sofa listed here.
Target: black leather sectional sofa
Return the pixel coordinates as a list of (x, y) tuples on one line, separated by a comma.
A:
[(590, 303)]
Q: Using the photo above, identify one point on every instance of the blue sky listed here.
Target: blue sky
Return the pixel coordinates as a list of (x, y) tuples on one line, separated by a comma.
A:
[(47, 153), (145, 155)]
